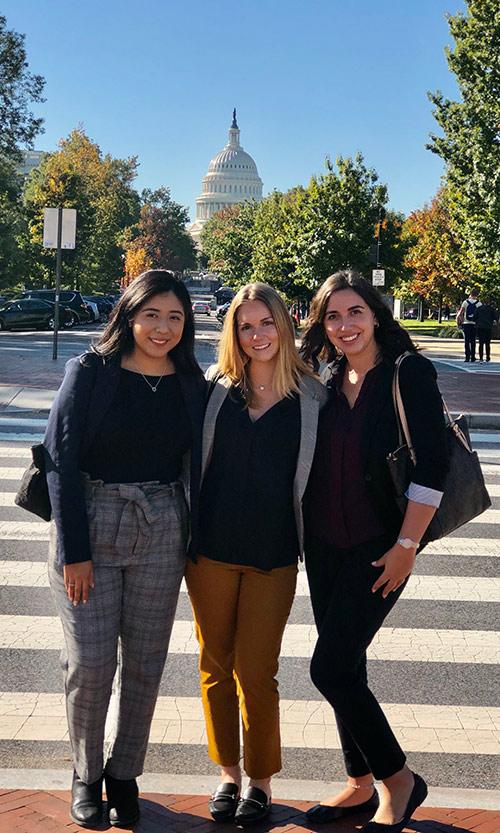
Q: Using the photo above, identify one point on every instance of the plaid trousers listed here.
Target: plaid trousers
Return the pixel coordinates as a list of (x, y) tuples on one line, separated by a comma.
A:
[(138, 534)]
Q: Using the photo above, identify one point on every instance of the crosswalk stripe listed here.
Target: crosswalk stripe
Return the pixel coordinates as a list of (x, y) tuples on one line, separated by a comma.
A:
[(439, 588), (11, 472), (19, 451), (27, 716), (396, 644), (486, 547)]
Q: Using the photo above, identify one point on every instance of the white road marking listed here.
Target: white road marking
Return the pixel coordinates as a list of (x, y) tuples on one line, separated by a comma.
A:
[(397, 644)]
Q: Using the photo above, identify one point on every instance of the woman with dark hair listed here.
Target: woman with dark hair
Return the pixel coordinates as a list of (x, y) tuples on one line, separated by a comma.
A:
[(120, 430), (359, 550)]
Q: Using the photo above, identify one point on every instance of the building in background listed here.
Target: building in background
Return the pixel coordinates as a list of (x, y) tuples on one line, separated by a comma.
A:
[(232, 177), (31, 159)]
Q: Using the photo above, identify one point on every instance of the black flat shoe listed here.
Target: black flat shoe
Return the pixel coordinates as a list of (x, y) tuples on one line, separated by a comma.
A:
[(417, 797), (253, 806), (86, 802), (123, 801), (222, 805), (322, 814)]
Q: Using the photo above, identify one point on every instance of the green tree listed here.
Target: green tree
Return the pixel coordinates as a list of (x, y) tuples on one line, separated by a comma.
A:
[(100, 188), (159, 239), (470, 140), (227, 239), (18, 127), (19, 88), (12, 224)]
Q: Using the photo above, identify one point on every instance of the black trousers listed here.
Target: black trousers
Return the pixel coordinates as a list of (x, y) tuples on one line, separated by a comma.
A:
[(470, 342), (484, 338), (348, 616)]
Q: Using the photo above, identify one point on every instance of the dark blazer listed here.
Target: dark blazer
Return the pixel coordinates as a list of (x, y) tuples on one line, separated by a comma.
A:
[(85, 396), (424, 411)]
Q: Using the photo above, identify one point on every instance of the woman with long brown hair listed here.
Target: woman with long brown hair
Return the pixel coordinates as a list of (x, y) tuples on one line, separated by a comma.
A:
[(258, 443), (360, 549)]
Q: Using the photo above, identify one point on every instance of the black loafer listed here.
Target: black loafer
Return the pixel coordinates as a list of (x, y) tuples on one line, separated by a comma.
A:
[(322, 814), (222, 805), (86, 802), (123, 801), (417, 797), (253, 806)]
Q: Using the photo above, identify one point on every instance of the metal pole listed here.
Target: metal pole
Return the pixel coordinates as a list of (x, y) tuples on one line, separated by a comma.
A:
[(58, 281), (379, 226)]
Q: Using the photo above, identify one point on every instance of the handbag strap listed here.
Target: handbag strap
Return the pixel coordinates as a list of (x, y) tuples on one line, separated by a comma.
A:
[(403, 427), (399, 408)]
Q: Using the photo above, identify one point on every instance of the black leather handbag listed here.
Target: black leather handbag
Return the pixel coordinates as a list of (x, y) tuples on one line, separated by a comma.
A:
[(464, 494), (33, 494)]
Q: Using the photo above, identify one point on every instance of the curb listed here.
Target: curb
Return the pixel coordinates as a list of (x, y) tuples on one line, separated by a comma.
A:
[(202, 785)]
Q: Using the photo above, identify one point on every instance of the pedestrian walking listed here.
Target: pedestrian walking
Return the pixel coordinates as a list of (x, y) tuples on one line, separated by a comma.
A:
[(486, 316), (122, 425), (359, 550), (258, 443), (466, 320)]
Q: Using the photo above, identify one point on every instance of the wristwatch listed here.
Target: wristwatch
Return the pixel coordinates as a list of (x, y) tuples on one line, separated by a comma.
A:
[(408, 544)]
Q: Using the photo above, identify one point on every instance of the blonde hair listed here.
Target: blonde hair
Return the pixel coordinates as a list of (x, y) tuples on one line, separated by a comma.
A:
[(233, 362)]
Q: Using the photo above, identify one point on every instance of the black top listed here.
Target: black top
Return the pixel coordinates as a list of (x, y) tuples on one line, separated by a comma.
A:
[(143, 435), (246, 501), (337, 503), (485, 317)]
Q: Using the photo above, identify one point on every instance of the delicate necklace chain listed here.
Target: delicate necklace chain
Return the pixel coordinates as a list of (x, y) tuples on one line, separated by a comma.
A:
[(154, 388)]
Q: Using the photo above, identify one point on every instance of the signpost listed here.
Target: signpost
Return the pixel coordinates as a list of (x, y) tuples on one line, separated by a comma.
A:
[(59, 232), (378, 277)]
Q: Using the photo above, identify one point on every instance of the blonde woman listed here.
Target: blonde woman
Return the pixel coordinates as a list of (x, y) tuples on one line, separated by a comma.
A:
[(258, 444)]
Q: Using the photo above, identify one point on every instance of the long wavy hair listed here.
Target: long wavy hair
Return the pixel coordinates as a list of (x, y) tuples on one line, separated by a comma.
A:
[(390, 336), (118, 340), (233, 361)]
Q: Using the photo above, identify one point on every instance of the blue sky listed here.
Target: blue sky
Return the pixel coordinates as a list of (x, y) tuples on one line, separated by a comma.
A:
[(159, 79)]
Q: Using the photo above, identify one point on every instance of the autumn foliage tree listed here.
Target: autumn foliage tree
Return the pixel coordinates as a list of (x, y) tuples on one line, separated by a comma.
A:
[(434, 255), (79, 176), (159, 239)]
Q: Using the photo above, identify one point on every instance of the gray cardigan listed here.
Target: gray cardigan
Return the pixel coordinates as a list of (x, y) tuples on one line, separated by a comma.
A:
[(313, 396)]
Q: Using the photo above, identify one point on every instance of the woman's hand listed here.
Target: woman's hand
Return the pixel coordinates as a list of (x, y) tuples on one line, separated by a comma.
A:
[(397, 563), (78, 579)]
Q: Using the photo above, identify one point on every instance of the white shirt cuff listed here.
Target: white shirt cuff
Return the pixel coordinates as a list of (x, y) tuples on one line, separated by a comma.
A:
[(424, 494)]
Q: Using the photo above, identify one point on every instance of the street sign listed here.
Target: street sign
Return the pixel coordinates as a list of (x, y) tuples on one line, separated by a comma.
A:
[(378, 277), (68, 235)]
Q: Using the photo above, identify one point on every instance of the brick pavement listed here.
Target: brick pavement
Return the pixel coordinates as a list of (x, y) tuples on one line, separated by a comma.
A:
[(27, 811)]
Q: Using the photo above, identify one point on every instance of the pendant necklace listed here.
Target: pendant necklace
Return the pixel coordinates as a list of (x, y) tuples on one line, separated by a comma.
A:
[(154, 388)]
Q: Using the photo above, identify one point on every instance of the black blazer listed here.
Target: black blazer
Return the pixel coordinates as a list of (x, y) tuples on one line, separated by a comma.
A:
[(424, 411), (85, 396)]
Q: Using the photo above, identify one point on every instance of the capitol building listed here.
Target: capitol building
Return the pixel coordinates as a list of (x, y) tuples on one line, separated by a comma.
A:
[(232, 177)]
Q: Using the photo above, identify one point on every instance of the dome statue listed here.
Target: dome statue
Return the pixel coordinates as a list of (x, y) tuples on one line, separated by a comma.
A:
[(232, 177)]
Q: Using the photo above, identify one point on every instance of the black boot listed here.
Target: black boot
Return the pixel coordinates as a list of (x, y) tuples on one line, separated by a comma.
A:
[(86, 802), (123, 803)]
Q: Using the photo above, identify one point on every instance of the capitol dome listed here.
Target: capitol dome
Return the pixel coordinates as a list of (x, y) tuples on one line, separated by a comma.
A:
[(232, 178)]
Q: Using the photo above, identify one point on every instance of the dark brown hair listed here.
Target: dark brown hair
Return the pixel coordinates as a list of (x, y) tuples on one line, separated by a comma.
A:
[(389, 335)]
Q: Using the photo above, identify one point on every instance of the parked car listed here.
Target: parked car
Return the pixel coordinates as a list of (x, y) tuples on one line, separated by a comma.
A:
[(72, 299), (32, 314), (104, 305), (96, 316), (221, 312), (201, 307)]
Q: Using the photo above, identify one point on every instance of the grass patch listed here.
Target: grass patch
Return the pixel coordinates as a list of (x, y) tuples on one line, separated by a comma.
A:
[(447, 329)]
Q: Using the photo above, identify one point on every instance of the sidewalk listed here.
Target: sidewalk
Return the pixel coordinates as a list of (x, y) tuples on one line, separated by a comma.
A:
[(26, 811), (467, 388)]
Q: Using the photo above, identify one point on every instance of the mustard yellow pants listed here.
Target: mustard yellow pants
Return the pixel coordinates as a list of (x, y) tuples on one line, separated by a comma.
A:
[(240, 615)]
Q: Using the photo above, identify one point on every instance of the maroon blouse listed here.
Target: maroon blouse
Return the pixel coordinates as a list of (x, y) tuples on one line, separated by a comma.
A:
[(338, 509)]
